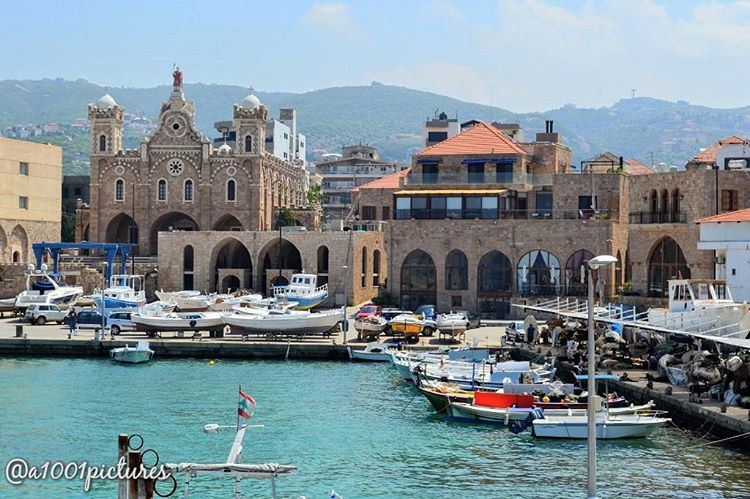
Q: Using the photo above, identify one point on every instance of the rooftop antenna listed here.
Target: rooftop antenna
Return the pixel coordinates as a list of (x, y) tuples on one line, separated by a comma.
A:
[(632, 93)]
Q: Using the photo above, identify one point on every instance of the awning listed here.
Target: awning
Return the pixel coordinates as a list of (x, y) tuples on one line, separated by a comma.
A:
[(449, 192)]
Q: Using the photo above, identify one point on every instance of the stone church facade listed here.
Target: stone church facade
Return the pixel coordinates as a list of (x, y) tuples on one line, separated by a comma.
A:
[(177, 180)]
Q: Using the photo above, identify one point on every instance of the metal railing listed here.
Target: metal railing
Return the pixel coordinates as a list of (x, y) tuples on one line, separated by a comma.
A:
[(647, 217), (471, 178), (494, 214)]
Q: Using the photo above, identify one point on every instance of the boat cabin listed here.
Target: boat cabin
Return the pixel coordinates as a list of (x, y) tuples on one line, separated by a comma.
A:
[(686, 295)]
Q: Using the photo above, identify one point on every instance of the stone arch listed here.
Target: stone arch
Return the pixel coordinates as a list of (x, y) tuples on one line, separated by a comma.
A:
[(230, 257), (538, 273), (322, 267), (666, 261), (456, 271), (278, 253), (174, 220), (122, 229), (575, 270), (18, 244), (494, 284), (418, 280), (227, 222)]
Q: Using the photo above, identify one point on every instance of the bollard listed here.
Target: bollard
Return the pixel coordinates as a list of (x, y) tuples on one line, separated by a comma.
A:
[(19, 331)]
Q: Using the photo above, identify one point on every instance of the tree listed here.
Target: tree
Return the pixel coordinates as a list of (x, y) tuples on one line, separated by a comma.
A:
[(286, 218), (315, 194), (68, 227)]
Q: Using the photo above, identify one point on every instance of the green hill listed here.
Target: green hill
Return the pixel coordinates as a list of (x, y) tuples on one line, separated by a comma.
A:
[(389, 117)]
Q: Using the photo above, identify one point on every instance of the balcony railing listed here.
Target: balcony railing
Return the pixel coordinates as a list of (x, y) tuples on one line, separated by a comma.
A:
[(473, 178), (647, 217), (494, 214)]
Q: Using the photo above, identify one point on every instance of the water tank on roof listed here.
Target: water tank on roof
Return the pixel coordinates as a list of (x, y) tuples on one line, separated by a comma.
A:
[(443, 116)]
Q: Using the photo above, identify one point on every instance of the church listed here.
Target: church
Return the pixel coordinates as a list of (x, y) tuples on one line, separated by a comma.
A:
[(178, 180)]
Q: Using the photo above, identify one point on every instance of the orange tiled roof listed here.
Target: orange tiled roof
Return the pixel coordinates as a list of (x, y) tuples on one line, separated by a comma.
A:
[(638, 168), (732, 216), (708, 155), (479, 139), (392, 181)]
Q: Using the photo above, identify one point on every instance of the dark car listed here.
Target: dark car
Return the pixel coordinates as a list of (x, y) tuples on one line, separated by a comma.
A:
[(90, 319), (429, 313)]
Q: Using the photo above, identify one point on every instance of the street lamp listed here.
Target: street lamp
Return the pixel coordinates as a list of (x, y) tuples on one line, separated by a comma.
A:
[(594, 264)]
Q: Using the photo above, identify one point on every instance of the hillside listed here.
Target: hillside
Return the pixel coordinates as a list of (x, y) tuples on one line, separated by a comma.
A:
[(391, 117)]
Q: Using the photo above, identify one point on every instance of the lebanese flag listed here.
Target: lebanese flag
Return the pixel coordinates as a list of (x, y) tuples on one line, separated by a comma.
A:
[(246, 406)]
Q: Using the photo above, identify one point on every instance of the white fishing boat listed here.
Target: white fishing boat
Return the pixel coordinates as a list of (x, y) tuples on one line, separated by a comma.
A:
[(46, 289), (295, 322), (405, 362), (157, 308), (370, 326), (608, 426), (178, 321), (132, 355), (7, 304), (373, 352), (187, 301), (304, 290), (227, 302), (124, 291), (453, 323), (469, 376)]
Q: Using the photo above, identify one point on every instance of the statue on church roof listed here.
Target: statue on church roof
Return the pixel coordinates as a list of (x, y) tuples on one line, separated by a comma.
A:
[(177, 77)]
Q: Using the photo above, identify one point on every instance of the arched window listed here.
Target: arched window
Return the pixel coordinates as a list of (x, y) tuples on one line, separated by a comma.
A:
[(456, 271), (16, 257), (664, 205), (188, 264), (322, 265), (675, 206), (102, 143), (161, 190), (119, 190), (376, 268), (364, 267), (667, 262), (418, 280), (628, 268), (231, 190), (654, 206), (539, 273), (188, 191), (576, 277), (618, 271), (248, 143), (494, 285)]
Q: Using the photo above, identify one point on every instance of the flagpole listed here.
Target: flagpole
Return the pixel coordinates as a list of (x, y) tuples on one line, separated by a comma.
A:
[(239, 396)]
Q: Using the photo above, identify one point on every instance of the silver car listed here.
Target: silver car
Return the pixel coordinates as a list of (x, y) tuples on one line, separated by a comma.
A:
[(118, 322)]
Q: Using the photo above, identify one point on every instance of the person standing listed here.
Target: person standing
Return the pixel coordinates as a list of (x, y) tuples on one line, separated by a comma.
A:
[(72, 322)]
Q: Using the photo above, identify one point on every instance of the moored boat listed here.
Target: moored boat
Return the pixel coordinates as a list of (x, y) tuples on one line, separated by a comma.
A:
[(608, 426), (373, 352), (132, 355)]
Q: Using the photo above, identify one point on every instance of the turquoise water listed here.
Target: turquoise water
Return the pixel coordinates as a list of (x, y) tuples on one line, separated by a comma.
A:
[(342, 424)]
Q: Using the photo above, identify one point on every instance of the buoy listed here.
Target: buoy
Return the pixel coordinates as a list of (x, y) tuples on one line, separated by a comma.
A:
[(545, 399), (211, 362)]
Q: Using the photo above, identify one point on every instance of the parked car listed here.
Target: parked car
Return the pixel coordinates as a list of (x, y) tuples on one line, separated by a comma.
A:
[(429, 313), (367, 311), (514, 331), (90, 319), (39, 314), (118, 322)]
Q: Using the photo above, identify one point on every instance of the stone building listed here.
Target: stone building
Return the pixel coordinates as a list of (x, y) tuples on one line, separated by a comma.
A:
[(219, 261), (176, 180), (30, 197)]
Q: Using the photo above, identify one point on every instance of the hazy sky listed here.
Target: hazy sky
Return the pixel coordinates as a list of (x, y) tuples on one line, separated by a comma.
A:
[(522, 55)]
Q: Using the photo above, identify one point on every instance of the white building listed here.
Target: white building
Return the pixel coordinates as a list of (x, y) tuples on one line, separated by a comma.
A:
[(728, 234), (439, 129)]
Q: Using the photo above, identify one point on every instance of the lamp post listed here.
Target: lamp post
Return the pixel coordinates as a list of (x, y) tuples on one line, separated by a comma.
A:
[(594, 264)]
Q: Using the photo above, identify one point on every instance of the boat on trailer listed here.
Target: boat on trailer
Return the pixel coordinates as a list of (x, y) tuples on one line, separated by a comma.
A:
[(187, 300), (370, 326), (46, 289), (178, 321), (290, 322), (304, 290), (124, 291)]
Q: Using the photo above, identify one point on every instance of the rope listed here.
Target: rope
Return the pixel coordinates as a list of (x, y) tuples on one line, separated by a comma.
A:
[(742, 435)]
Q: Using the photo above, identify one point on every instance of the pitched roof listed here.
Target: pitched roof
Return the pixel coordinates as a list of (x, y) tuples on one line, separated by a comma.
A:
[(732, 216), (392, 181), (638, 168), (708, 155), (479, 139)]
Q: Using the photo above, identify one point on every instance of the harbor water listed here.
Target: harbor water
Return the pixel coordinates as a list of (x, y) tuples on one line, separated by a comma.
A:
[(353, 428)]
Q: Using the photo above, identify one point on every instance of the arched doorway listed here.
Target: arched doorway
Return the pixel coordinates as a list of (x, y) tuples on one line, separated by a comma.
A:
[(667, 261), (168, 222), (456, 271), (576, 277), (122, 229), (495, 285), (231, 258), (322, 265), (230, 283), (188, 267), (418, 280), (18, 244), (539, 273), (228, 222), (279, 254), (3, 244)]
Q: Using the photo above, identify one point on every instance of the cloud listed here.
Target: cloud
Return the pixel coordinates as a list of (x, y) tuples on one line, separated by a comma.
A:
[(441, 9), (332, 18)]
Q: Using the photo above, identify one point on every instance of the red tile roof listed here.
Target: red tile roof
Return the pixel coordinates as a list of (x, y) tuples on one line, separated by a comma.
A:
[(638, 168), (392, 181), (708, 155), (479, 139), (732, 216)]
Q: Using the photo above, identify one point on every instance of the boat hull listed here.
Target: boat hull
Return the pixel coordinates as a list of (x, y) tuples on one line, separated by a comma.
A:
[(131, 356), (368, 356), (161, 324), (306, 324), (605, 430)]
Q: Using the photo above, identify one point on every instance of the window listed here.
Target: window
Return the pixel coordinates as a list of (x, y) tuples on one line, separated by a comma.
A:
[(504, 173), (729, 200), (286, 135), (419, 207), (77, 191), (495, 274), (119, 190), (188, 263), (575, 273), (102, 143), (544, 202), (586, 206), (473, 207), (430, 174), (188, 191), (476, 173), (23, 202), (539, 273), (667, 262), (456, 271), (231, 190), (376, 268), (322, 265), (436, 136), (65, 192), (453, 207), (489, 207), (364, 267), (248, 143), (386, 212), (286, 156), (418, 280), (369, 213), (437, 207), (456, 301), (161, 190), (23, 168)]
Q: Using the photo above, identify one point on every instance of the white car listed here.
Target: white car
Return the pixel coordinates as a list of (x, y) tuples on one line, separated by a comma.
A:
[(118, 322), (39, 314)]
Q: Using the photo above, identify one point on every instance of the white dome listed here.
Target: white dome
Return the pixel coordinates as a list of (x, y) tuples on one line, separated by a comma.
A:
[(105, 102), (225, 148), (250, 102)]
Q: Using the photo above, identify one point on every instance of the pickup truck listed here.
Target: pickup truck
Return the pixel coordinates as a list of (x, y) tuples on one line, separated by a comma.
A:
[(37, 313)]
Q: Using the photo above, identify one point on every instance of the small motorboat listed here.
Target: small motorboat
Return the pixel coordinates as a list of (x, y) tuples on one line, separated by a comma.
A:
[(178, 321), (132, 355), (187, 301), (304, 290), (608, 425), (46, 289), (370, 326), (407, 325), (290, 322), (228, 302), (373, 352), (453, 323)]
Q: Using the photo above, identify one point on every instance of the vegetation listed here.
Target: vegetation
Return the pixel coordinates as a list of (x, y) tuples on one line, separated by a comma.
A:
[(385, 299), (315, 194), (286, 218), (68, 227)]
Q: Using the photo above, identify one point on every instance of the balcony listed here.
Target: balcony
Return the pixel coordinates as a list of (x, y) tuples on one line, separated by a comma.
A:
[(647, 217), (494, 214), (473, 178)]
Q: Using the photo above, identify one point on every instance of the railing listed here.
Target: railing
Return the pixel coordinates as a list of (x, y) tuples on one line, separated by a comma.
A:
[(539, 289), (647, 217), (472, 178), (494, 214)]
